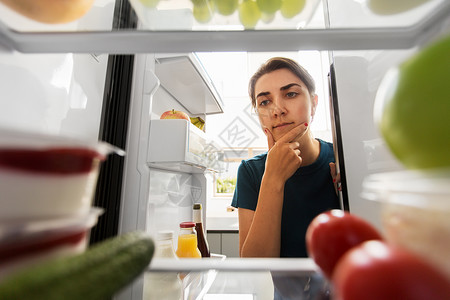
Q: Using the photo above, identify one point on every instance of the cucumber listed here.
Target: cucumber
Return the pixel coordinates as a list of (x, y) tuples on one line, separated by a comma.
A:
[(96, 274)]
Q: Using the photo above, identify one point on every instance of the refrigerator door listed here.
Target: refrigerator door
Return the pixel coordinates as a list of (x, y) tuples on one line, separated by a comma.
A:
[(355, 77)]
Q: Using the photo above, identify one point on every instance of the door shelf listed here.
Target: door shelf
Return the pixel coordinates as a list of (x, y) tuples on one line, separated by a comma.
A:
[(178, 145)]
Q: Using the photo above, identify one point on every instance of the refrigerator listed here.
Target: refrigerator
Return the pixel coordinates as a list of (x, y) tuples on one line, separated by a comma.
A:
[(110, 74)]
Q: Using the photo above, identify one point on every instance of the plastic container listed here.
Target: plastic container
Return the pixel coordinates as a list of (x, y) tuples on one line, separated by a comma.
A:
[(163, 285), (187, 241), (415, 211), (164, 245), (25, 243), (45, 176)]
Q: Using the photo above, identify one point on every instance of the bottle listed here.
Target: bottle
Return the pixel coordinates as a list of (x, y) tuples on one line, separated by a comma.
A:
[(202, 243), (170, 281), (187, 241), (164, 245)]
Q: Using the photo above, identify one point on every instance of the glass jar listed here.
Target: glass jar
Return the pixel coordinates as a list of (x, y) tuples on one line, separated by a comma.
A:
[(164, 245), (154, 281), (187, 241)]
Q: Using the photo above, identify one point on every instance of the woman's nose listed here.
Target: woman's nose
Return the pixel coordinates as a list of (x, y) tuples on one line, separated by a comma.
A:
[(278, 109)]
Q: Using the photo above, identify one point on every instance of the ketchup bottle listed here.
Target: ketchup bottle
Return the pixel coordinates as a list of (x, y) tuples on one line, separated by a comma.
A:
[(202, 243)]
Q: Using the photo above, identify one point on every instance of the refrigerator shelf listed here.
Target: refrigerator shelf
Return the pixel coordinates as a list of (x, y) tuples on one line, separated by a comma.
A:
[(184, 78), (380, 32)]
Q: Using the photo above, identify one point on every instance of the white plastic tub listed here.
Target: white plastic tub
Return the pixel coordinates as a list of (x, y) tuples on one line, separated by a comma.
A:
[(47, 176), (415, 211), (24, 243)]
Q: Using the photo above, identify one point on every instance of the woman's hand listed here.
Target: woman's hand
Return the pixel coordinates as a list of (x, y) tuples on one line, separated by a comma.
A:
[(336, 177), (283, 158)]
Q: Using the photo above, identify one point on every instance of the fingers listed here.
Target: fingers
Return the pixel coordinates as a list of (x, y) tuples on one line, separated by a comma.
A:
[(294, 145), (270, 141), (294, 133), (333, 170), (336, 177)]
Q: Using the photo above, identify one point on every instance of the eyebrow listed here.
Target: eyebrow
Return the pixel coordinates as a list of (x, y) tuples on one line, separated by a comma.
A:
[(286, 87), (283, 88)]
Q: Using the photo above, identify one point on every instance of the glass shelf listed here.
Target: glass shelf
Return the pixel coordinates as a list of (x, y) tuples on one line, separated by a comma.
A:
[(247, 278), (322, 25)]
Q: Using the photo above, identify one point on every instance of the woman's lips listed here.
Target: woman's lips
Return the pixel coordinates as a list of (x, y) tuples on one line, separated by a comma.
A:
[(280, 126)]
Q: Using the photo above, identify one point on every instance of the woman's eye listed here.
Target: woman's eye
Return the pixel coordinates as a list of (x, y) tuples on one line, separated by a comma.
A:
[(291, 94), (264, 103)]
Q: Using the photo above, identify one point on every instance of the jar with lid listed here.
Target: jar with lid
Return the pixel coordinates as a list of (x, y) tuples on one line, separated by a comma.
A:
[(187, 241), (153, 281), (164, 245)]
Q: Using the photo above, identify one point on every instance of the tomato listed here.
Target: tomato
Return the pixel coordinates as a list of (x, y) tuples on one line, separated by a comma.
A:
[(332, 233), (375, 270)]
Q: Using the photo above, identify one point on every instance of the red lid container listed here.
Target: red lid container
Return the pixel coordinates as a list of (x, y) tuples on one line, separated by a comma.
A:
[(187, 224)]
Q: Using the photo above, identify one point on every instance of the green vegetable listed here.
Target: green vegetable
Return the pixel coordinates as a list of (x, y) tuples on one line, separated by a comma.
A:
[(98, 273), (414, 108)]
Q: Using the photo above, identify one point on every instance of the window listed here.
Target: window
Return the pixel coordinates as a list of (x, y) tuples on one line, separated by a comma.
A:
[(224, 183)]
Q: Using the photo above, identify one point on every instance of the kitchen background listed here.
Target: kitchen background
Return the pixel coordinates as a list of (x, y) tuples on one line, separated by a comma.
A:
[(238, 133)]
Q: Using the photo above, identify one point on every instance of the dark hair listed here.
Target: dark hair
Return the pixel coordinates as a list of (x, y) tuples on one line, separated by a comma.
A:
[(276, 63)]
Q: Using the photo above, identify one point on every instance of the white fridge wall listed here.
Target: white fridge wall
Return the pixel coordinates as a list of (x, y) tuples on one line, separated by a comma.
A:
[(152, 199), (55, 93), (143, 200), (52, 93), (171, 198)]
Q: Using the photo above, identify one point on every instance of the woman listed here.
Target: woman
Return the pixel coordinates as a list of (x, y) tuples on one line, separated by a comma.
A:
[(278, 193)]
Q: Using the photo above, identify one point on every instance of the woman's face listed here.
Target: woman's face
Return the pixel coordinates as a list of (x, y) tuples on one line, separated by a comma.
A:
[(283, 102)]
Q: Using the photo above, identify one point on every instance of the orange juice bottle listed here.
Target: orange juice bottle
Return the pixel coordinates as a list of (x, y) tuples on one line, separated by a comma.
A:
[(187, 241)]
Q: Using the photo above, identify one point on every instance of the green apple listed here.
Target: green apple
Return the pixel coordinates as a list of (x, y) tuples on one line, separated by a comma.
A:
[(269, 6), (412, 108), (150, 3), (226, 7), (249, 13), (291, 8)]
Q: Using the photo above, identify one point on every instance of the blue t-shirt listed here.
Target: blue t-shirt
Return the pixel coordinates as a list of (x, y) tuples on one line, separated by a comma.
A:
[(307, 193)]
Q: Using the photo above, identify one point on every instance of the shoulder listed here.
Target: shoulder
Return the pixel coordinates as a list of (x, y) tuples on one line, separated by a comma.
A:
[(326, 152), (326, 147), (258, 159), (325, 144), (254, 165)]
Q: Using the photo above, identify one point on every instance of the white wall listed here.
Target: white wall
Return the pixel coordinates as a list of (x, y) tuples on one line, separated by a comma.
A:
[(54, 93)]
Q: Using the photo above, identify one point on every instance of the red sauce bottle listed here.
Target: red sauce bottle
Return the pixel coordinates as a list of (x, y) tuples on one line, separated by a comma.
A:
[(202, 243)]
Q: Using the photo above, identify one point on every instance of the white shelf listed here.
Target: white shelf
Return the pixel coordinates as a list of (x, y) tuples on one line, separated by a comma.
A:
[(183, 76), (178, 145), (186, 41)]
